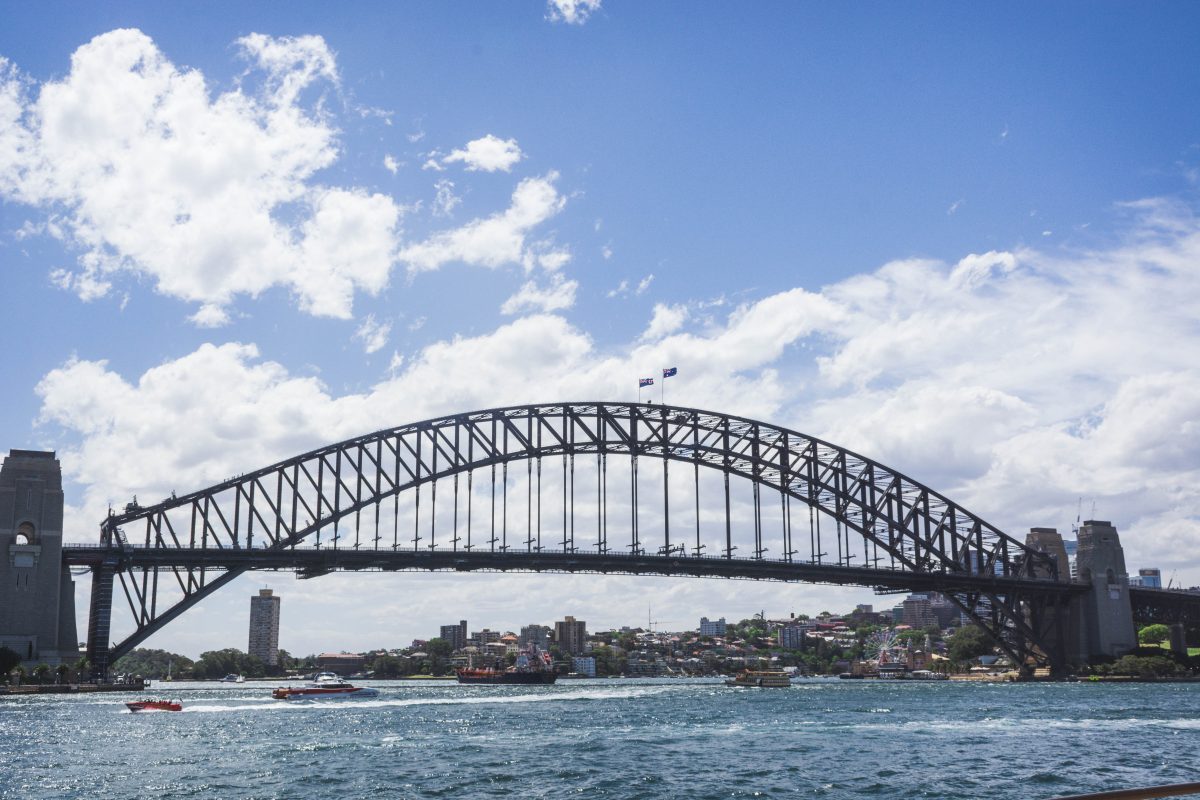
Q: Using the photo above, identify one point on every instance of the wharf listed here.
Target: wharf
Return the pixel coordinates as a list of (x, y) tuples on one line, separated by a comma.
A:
[(72, 688)]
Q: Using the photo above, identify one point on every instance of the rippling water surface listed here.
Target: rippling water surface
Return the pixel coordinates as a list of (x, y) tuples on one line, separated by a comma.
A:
[(610, 739)]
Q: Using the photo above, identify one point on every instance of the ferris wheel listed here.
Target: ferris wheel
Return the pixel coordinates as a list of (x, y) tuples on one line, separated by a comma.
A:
[(883, 647)]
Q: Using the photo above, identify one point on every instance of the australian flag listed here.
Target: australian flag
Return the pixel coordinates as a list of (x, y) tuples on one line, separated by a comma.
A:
[(670, 372), (643, 382)]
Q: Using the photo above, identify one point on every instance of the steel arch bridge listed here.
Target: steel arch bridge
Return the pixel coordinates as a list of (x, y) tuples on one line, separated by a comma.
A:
[(530, 488)]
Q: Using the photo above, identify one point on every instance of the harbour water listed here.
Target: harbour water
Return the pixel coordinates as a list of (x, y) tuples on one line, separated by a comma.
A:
[(608, 739)]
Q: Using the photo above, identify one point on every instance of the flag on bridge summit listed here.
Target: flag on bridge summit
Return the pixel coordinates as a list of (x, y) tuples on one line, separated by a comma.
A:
[(645, 382), (670, 372)]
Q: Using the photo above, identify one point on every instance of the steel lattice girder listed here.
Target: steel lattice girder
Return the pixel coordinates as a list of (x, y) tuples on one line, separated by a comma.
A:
[(920, 531)]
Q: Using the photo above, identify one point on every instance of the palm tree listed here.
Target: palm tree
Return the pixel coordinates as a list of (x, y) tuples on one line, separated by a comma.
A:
[(41, 671)]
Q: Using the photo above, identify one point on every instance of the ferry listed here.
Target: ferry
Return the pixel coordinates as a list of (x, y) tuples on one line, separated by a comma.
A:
[(532, 667), (326, 686), (154, 705), (766, 678)]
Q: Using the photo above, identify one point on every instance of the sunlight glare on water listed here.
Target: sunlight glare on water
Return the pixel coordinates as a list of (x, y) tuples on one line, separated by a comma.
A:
[(607, 738)]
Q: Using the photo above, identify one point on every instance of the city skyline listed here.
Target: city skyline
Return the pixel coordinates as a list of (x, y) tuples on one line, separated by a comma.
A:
[(963, 242)]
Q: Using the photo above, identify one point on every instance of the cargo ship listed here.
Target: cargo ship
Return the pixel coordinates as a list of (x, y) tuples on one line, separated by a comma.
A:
[(531, 668)]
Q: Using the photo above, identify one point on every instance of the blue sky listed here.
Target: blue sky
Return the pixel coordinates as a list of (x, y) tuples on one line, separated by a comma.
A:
[(961, 240)]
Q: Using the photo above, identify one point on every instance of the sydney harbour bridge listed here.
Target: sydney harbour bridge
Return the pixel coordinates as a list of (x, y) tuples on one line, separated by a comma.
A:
[(595, 487)]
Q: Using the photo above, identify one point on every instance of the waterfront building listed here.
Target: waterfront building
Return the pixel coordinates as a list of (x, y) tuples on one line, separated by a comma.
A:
[(710, 627), (584, 665), (535, 635), (456, 635), (1150, 578), (484, 637), (791, 637), (344, 664), (918, 611), (264, 627), (571, 634)]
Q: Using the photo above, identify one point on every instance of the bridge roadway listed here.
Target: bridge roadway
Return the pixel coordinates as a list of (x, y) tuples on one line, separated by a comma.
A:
[(311, 562)]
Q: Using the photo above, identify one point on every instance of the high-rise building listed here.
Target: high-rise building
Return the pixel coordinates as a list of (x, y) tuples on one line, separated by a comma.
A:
[(918, 611), (535, 634), (264, 627), (456, 635), (570, 635), (1151, 578), (709, 627)]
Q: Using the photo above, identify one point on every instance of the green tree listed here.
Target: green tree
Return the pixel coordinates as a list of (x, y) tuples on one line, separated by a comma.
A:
[(41, 672), (152, 663), (439, 651), (9, 659), (219, 663), (969, 642), (1153, 634), (61, 673)]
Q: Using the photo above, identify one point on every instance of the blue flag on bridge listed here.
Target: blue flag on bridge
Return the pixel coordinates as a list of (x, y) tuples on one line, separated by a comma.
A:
[(645, 382), (670, 372)]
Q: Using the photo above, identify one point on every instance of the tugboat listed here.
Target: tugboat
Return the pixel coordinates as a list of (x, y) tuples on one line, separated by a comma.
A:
[(326, 686), (532, 667), (765, 678), (154, 705)]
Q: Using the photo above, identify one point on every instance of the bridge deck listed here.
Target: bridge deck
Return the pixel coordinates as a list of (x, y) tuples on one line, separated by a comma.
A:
[(311, 562)]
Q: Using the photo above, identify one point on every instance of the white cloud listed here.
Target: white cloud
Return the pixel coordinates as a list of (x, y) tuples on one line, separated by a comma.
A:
[(954, 207), (391, 164), (489, 154), (1013, 382), (666, 320), (558, 294), (621, 289), (373, 334), (644, 284), (445, 201), (496, 240), (209, 195), (572, 12)]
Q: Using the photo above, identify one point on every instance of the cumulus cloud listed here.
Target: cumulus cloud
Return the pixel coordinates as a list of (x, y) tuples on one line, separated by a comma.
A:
[(557, 294), (373, 334), (667, 319), (496, 240), (1015, 382), (489, 154), (572, 12), (209, 195)]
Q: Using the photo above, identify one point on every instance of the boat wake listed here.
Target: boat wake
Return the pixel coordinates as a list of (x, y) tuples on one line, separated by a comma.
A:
[(538, 697)]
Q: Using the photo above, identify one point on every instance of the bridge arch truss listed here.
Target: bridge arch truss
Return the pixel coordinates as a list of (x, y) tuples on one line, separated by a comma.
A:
[(575, 487)]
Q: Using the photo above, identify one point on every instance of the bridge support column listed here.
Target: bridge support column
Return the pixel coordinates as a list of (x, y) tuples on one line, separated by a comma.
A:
[(1105, 614), (100, 620)]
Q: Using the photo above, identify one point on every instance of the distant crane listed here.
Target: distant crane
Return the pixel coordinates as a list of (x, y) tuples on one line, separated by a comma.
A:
[(651, 621)]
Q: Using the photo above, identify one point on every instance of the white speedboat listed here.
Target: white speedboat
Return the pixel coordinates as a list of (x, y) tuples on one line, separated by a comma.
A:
[(232, 678), (326, 686)]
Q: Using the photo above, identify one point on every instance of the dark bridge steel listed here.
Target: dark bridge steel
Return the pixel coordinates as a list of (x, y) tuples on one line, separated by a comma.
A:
[(339, 507)]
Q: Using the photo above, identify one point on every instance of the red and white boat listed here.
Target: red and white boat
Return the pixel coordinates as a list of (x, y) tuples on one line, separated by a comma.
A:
[(327, 685), (154, 705)]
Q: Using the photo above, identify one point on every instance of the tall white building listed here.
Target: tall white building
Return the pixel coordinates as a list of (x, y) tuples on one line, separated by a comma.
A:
[(264, 627)]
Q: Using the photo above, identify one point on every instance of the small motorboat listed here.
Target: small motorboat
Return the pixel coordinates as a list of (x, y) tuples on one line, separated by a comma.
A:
[(326, 686), (233, 678), (154, 705)]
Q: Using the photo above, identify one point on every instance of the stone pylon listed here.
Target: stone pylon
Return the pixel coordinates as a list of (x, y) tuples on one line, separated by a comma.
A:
[(1106, 620), (37, 595)]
